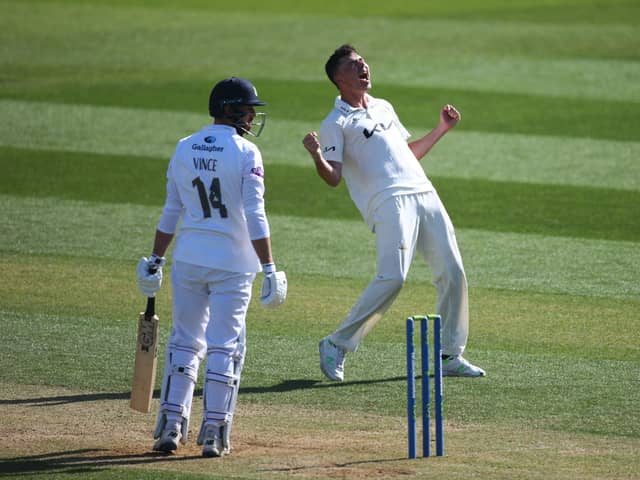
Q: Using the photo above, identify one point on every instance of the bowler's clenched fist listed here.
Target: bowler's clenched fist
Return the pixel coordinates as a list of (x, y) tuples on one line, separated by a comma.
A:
[(311, 142), (450, 116)]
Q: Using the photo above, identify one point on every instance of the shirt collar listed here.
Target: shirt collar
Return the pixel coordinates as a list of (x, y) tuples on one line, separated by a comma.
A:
[(219, 127), (347, 109)]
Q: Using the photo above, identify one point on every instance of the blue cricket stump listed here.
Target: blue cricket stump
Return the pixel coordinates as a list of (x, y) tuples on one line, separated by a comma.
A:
[(426, 395)]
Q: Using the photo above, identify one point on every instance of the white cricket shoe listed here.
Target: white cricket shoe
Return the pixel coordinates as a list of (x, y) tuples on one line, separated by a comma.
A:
[(168, 440), (331, 360), (458, 366), (213, 444)]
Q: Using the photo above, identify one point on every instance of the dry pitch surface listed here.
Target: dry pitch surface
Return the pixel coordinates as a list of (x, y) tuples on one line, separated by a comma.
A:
[(54, 430)]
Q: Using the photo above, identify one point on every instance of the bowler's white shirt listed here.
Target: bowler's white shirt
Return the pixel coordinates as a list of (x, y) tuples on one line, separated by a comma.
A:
[(371, 144), (215, 182)]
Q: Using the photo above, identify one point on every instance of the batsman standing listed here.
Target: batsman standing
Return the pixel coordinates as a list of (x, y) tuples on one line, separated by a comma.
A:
[(363, 140), (215, 185)]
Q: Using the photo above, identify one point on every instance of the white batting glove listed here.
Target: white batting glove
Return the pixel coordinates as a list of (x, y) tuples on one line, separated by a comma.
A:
[(150, 274), (274, 286)]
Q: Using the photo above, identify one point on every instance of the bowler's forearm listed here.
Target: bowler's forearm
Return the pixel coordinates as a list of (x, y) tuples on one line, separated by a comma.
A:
[(422, 146), (328, 171)]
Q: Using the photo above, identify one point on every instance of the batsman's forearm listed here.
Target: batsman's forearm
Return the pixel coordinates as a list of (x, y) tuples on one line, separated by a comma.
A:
[(262, 246), (161, 243)]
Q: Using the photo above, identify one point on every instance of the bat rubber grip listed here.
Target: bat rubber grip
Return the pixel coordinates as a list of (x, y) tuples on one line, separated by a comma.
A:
[(151, 307)]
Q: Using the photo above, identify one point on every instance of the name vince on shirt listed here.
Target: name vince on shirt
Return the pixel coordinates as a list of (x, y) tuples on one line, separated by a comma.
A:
[(206, 163), (202, 163)]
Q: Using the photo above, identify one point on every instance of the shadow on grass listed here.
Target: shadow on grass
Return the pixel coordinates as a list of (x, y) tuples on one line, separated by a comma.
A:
[(294, 470), (305, 384), (284, 386), (80, 461), (91, 460), (64, 399)]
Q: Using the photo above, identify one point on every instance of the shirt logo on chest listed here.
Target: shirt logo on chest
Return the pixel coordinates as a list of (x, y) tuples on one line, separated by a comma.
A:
[(378, 127)]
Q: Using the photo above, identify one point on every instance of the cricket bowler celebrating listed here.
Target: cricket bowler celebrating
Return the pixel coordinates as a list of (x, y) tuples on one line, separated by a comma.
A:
[(363, 140), (215, 185)]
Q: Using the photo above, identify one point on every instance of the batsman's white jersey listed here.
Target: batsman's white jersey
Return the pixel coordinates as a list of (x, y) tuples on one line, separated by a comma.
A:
[(400, 205), (216, 183)]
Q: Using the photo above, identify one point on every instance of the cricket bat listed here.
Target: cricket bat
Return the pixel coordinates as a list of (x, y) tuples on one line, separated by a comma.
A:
[(144, 370)]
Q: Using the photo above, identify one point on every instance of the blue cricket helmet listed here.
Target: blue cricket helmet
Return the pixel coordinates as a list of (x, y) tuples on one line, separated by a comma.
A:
[(232, 91)]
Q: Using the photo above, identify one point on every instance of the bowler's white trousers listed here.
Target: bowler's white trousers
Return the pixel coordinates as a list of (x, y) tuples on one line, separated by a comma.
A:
[(403, 224)]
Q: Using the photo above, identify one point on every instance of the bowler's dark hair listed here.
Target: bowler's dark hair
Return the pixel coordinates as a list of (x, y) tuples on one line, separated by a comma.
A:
[(334, 60)]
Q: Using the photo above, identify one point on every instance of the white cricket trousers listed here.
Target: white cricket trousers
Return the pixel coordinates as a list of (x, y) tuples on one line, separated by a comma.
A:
[(209, 313), (403, 224), (209, 307)]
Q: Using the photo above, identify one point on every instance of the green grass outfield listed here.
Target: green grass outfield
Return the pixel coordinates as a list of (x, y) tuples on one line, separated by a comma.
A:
[(541, 179)]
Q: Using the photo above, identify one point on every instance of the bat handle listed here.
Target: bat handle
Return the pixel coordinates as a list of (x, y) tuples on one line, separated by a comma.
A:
[(151, 307), (151, 301)]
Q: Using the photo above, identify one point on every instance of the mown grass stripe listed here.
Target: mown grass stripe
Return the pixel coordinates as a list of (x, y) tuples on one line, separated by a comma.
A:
[(153, 133), (551, 11), (332, 247), (310, 101), (578, 212), (600, 79), (146, 36)]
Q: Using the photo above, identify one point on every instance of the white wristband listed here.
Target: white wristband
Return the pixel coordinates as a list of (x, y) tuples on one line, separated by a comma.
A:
[(268, 268)]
